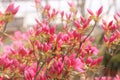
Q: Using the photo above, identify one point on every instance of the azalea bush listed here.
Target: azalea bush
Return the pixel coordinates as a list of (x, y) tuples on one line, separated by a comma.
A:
[(45, 53)]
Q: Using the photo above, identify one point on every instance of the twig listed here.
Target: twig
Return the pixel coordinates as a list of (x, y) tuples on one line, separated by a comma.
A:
[(3, 33), (4, 29), (81, 42), (38, 70)]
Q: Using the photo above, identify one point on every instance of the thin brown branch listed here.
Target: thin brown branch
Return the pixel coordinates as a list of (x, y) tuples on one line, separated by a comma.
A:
[(81, 42)]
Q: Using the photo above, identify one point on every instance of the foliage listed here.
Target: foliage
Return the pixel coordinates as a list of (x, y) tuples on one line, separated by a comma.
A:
[(71, 54)]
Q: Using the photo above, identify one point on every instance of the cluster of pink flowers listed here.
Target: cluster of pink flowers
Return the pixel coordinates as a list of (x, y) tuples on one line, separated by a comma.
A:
[(8, 14), (44, 53)]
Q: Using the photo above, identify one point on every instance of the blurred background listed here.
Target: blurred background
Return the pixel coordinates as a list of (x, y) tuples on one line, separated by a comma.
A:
[(26, 15)]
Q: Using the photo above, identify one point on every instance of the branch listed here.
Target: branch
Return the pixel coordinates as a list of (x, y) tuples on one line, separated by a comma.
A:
[(37, 69), (4, 29), (81, 42)]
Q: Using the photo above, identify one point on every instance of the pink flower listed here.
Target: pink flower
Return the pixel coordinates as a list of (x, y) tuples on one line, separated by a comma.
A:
[(54, 13), (1, 24), (82, 19), (52, 30), (76, 35), (46, 47), (89, 60), (97, 61), (56, 68), (29, 73), (77, 24), (117, 77), (65, 37), (86, 23), (47, 7), (23, 51), (91, 49), (68, 16), (42, 76), (113, 37), (37, 2), (18, 36), (71, 4), (12, 9), (5, 61), (99, 11), (62, 14), (76, 63), (118, 14), (90, 12), (110, 23), (105, 38)]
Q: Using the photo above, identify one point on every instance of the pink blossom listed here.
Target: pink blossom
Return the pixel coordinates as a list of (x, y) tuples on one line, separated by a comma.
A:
[(1, 24), (77, 24), (89, 60), (110, 23), (99, 11), (76, 35), (65, 37), (90, 12), (71, 4), (118, 14), (38, 31), (54, 13), (46, 47), (62, 14), (59, 36), (60, 42), (82, 19), (68, 16), (42, 76), (29, 73), (47, 7), (105, 38), (39, 45), (86, 23), (117, 77), (56, 68), (23, 51), (37, 2), (91, 50), (12, 9), (76, 63), (52, 30), (113, 37), (45, 28), (5, 61)]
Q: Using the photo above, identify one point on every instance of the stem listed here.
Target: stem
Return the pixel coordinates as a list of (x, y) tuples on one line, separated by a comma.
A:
[(89, 33), (4, 29), (70, 49), (34, 53), (5, 34), (38, 70), (81, 42)]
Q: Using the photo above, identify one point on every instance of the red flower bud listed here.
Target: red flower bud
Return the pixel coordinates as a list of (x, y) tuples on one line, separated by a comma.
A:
[(12, 9), (90, 12), (99, 11)]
